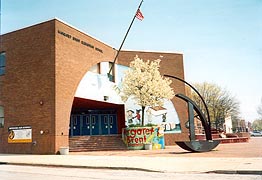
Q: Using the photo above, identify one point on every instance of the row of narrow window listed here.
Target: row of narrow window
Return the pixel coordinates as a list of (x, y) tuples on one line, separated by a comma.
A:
[(2, 63), (1, 117), (2, 72)]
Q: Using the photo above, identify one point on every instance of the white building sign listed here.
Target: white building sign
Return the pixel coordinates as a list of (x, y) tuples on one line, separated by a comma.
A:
[(20, 134)]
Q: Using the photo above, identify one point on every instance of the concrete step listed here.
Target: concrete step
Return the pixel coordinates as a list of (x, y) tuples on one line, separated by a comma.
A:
[(227, 139), (96, 143)]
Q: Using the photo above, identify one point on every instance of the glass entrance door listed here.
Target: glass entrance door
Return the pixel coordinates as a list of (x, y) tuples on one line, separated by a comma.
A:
[(86, 125), (89, 125), (92, 124), (75, 125), (108, 123), (95, 124)]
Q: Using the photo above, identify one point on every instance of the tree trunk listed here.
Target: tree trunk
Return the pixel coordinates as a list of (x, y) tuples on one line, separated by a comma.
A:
[(216, 122), (143, 118)]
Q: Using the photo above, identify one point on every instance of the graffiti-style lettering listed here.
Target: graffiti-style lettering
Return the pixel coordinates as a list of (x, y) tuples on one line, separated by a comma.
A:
[(138, 136)]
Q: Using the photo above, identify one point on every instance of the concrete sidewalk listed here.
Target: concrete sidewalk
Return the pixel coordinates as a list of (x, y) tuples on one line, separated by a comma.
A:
[(159, 164), (241, 158)]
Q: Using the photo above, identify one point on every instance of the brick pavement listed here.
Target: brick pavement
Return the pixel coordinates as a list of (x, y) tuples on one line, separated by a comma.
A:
[(251, 149), (241, 158)]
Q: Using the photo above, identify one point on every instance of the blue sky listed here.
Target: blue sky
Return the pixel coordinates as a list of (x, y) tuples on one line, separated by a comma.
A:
[(221, 40)]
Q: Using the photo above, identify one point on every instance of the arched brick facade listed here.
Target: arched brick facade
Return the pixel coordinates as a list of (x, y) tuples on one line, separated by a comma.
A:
[(74, 57), (44, 65)]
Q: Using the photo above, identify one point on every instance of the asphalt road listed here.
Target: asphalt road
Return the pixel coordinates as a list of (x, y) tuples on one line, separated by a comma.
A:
[(13, 172)]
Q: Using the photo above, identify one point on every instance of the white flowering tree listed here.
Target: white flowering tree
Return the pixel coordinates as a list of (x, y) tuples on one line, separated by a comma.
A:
[(145, 85)]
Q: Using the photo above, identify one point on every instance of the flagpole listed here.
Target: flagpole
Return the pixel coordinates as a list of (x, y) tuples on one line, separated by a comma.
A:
[(124, 39)]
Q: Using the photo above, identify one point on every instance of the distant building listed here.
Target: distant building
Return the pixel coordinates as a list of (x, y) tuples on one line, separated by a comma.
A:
[(41, 102), (249, 126), (228, 127), (242, 126)]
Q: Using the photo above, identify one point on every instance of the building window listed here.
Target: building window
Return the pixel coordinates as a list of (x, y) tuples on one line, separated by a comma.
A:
[(1, 116), (95, 69), (120, 73), (2, 63), (105, 67), (111, 74)]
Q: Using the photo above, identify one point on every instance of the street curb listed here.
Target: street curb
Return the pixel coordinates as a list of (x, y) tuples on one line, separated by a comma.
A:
[(78, 166), (243, 172), (247, 172)]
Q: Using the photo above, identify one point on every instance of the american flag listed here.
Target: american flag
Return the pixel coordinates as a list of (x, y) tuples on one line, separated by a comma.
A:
[(139, 15)]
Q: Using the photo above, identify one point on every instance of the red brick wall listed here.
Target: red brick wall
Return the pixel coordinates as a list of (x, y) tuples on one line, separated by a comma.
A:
[(73, 60), (29, 79), (45, 63), (171, 64)]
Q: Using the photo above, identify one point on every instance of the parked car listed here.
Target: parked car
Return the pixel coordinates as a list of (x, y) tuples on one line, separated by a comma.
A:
[(255, 133)]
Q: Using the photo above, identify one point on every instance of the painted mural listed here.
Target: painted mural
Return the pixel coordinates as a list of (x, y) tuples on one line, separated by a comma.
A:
[(96, 86), (165, 116), (136, 137)]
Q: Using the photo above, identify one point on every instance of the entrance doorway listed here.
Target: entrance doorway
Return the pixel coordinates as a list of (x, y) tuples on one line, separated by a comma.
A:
[(99, 123), (90, 118)]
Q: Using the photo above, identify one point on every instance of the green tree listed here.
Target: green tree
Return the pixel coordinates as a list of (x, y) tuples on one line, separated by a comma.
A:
[(143, 83), (219, 102), (259, 109), (257, 125)]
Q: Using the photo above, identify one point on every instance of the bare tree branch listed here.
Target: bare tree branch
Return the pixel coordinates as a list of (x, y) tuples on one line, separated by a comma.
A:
[(220, 103)]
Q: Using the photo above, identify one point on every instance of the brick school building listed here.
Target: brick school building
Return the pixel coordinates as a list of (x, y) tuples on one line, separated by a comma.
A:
[(41, 67)]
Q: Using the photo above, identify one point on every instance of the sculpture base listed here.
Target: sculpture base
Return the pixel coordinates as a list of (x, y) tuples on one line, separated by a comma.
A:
[(199, 146)]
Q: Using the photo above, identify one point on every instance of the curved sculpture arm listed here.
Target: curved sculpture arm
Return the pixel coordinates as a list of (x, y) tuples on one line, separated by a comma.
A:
[(200, 114), (208, 117)]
